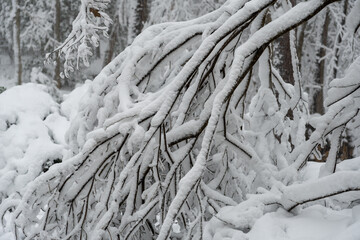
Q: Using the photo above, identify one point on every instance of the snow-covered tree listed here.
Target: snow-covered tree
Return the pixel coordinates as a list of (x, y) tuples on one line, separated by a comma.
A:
[(131, 17), (176, 10), (77, 48), (191, 132), (28, 29), (336, 47), (328, 36)]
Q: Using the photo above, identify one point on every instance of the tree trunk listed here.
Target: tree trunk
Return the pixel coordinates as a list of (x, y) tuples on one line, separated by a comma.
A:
[(285, 66), (16, 41), (339, 40), (57, 36), (112, 42), (300, 43), (285, 60), (10, 51), (138, 17), (320, 81)]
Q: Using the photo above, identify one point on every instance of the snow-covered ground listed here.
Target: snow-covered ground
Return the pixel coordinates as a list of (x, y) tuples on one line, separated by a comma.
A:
[(313, 223)]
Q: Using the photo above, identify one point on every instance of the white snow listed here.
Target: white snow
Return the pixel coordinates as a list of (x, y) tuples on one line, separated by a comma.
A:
[(31, 138), (71, 104), (121, 127), (312, 223)]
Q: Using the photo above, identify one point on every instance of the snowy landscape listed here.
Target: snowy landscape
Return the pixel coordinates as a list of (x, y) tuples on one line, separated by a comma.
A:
[(180, 119)]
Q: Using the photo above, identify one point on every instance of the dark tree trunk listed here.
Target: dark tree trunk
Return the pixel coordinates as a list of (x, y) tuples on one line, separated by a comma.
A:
[(139, 17), (16, 41), (339, 40), (300, 43), (109, 53), (284, 65), (320, 81), (57, 33)]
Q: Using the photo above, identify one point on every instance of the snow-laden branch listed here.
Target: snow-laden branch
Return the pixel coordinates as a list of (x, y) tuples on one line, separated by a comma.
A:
[(77, 46), (353, 19), (182, 125), (241, 218), (335, 184)]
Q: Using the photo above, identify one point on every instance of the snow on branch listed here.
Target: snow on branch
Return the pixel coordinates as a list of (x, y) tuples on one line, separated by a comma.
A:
[(353, 19), (84, 36), (335, 184)]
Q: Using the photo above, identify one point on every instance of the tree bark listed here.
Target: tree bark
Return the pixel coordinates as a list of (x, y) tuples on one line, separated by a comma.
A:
[(319, 95), (57, 36), (16, 41), (138, 17), (300, 43), (339, 40), (109, 53), (284, 65)]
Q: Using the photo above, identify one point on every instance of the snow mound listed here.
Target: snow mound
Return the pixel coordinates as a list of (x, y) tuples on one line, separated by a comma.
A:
[(314, 223), (31, 136)]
